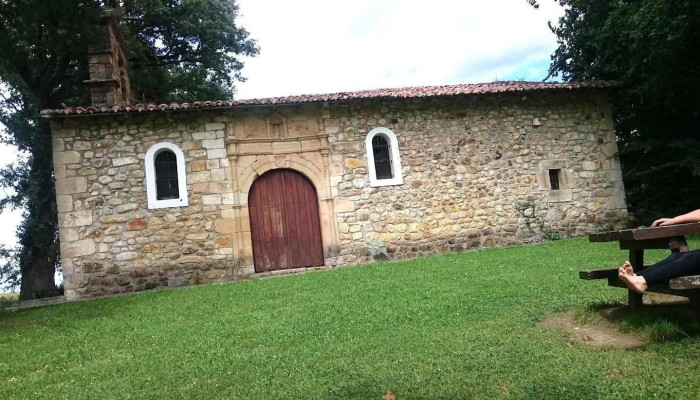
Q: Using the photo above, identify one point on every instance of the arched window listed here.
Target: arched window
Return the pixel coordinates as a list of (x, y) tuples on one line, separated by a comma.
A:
[(166, 176), (383, 159), (166, 184)]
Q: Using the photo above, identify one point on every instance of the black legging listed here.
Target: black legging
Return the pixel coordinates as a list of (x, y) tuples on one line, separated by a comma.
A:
[(677, 264)]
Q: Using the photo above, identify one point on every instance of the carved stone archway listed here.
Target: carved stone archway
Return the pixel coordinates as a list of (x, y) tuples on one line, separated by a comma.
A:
[(251, 158)]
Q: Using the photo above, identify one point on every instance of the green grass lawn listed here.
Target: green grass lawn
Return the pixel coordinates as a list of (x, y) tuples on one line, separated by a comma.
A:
[(444, 327)]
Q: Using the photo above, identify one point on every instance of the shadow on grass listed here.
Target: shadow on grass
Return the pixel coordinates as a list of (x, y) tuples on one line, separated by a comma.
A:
[(671, 321), (603, 305), (662, 322)]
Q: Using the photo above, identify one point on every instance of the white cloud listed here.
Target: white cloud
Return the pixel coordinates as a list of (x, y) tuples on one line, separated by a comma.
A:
[(313, 46)]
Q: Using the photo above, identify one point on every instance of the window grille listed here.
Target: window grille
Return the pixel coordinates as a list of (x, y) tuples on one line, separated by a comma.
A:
[(382, 157), (166, 175), (554, 178)]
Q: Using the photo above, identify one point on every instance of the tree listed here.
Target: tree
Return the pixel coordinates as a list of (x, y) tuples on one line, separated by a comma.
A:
[(651, 47), (180, 49)]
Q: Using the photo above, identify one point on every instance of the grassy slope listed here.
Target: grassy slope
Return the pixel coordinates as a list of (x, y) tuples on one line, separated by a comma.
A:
[(452, 326)]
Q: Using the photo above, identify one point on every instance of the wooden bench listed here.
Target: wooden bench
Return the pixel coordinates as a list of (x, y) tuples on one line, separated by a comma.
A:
[(636, 241)]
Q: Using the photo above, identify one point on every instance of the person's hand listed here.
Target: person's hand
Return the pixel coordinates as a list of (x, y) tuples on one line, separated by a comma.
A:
[(662, 222)]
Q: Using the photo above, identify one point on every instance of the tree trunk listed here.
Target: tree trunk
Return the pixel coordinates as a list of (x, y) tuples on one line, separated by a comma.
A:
[(38, 234), (38, 280)]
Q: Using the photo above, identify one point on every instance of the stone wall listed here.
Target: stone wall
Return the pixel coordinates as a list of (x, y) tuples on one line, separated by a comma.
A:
[(110, 241), (474, 171)]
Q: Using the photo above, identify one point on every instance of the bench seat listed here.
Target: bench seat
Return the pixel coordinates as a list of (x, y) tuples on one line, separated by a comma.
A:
[(685, 283), (591, 274), (682, 283)]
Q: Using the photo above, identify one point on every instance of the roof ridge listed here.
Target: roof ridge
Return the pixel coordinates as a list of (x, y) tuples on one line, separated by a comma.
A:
[(400, 92)]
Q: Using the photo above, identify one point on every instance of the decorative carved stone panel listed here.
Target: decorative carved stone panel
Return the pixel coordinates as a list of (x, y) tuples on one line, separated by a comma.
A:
[(276, 126)]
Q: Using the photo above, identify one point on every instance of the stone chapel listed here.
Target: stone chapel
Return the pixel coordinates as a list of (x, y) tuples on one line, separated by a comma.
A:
[(153, 195)]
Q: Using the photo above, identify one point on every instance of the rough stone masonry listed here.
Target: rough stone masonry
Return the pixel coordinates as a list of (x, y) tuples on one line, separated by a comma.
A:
[(161, 195), (475, 174)]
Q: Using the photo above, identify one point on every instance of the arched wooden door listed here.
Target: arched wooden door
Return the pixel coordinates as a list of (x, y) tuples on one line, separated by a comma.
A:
[(284, 221)]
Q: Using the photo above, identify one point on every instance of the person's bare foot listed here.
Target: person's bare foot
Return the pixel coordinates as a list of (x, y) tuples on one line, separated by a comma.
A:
[(626, 269), (634, 282)]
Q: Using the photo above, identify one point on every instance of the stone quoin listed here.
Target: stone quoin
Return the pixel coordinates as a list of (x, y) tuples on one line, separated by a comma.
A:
[(479, 165)]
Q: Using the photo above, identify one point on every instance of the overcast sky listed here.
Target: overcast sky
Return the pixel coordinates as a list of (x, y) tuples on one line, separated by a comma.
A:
[(316, 46), (319, 46)]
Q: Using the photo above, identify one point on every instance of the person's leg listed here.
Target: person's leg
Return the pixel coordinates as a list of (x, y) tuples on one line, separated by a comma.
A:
[(662, 264), (682, 265), (627, 267), (678, 264)]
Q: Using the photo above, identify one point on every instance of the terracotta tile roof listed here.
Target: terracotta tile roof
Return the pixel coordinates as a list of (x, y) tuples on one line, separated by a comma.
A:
[(407, 92)]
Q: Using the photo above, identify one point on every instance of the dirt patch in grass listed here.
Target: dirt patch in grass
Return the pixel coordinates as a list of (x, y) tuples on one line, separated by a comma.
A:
[(598, 333), (663, 317)]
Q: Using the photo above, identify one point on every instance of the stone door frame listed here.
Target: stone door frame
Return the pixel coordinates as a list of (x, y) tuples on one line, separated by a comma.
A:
[(253, 157)]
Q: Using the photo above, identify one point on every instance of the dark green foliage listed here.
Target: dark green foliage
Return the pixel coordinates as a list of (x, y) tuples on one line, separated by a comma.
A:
[(186, 49), (652, 47)]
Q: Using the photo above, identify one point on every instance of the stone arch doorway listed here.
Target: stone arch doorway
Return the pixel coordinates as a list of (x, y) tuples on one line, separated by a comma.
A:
[(285, 225)]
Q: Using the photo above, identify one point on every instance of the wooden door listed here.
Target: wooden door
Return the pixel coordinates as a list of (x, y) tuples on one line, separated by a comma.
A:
[(284, 221)]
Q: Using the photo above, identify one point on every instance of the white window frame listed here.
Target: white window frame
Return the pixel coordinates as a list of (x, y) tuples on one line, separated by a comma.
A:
[(151, 190), (394, 154)]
